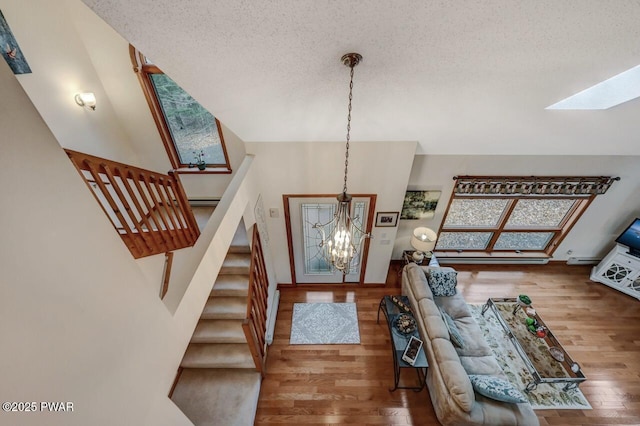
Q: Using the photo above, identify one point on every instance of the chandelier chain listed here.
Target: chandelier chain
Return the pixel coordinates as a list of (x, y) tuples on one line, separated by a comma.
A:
[(346, 155)]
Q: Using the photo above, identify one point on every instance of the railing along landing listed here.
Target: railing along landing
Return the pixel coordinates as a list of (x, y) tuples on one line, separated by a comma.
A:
[(149, 210), (255, 324)]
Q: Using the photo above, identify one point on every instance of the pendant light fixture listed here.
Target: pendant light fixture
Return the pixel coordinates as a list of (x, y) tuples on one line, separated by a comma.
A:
[(341, 246)]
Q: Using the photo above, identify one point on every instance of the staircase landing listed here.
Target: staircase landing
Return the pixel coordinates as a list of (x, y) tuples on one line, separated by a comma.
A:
[(218, 396)]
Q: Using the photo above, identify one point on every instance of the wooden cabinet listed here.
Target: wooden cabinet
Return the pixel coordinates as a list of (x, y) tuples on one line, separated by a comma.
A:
[(619, 270)]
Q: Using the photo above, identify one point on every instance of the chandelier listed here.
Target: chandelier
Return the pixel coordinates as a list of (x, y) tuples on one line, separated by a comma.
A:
[(340, 246)]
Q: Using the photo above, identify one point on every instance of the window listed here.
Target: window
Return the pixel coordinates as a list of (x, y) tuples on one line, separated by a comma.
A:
[(191, 135), (513, 214)]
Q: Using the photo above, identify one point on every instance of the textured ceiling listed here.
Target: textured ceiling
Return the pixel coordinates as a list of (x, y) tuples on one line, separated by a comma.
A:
[(459, 77)]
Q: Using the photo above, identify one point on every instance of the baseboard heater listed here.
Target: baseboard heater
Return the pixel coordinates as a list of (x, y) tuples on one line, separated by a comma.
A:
[(204, 202), (494, 260), (583, 260), (271, 324)]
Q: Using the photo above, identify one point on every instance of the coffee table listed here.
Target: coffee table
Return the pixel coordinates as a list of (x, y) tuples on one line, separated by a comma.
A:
[(533, 350), (399, 342)]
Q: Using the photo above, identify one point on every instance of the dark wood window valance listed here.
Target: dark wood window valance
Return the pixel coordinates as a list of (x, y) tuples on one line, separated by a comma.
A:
[(533, 185)]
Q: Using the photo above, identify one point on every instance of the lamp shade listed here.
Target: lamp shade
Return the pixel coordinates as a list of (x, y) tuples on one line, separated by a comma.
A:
[(424, 239)]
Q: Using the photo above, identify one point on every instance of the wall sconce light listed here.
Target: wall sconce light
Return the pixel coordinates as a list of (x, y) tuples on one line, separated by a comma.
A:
[(87, 100)]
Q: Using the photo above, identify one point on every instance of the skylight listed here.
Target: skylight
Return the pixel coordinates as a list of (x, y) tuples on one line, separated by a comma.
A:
[(609, 93)]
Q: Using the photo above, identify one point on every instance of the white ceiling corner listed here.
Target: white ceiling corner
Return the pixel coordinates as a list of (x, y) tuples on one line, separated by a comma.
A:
[(459, 77)]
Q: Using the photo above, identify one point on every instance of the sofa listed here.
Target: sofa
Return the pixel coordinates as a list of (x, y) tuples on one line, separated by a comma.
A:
[(448, 377)]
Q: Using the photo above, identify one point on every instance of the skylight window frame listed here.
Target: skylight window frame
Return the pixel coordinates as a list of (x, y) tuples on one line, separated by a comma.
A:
[(614, 91)]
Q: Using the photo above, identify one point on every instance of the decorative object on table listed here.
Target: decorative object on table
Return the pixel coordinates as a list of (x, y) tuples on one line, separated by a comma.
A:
[(419, 204), (10, 49), (400, 304), (575, 367), (524, 300), (556, 354), (412, 350), (547, 395), (530, 311), (405, 323), (324, 324), (340, 247), (424, 241), (389, 219), (535, 328)]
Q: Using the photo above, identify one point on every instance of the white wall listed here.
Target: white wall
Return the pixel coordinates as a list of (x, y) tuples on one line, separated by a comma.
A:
[(380, 168), (593, 234)]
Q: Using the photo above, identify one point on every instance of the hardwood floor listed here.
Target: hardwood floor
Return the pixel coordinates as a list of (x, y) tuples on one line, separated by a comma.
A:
[(348, 384)]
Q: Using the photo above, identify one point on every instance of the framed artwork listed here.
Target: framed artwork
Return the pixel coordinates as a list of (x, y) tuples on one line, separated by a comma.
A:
[(420, 204), (10, 50), (387, 219)]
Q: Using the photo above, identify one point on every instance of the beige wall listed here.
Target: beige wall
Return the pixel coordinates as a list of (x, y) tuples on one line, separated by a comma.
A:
[(596, 230), (380, 168), (80, 320)]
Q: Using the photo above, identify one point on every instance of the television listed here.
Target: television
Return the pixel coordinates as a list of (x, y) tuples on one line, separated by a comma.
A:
[(631, 238)]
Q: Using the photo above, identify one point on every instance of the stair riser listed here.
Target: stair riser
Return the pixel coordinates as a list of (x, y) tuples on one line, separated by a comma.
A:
[(233, 270), (194, 364), (239, 249), (223, 315), (221, 340)]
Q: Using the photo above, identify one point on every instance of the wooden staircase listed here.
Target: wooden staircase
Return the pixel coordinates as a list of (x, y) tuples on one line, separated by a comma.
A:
[(219, 382)]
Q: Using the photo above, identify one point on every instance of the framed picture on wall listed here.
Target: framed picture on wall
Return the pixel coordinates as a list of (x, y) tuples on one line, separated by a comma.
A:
[(387, 219), (10, 49), (420, 204)]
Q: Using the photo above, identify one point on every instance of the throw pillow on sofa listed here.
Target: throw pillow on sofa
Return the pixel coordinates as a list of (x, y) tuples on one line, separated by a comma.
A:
[(442, 281), (496, 388), (454, 333)]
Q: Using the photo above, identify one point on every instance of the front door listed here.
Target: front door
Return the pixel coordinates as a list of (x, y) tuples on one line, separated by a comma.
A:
[(308, 264)]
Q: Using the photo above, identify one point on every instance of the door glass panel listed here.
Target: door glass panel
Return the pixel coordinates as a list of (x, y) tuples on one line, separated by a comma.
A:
[(523, 240), (463, 240), (539, 213), (358, 215), (315, 213), (475, 213)]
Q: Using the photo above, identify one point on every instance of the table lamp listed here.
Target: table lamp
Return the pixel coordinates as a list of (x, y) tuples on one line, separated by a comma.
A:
[(423, 240)]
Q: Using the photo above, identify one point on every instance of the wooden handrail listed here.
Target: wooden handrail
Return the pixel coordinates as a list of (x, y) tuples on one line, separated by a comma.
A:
[(150, 210), (255, 324)]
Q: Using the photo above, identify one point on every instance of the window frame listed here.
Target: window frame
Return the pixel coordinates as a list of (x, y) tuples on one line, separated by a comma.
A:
[(143, 69), (559, 231), (582, 190)]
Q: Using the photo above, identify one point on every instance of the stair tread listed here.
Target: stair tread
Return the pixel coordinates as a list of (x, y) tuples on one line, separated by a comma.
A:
[(237, 259), (243, 248), (218, 396), (218, 331), (227, 307), (236, 263), (231, 285), (218, 355)]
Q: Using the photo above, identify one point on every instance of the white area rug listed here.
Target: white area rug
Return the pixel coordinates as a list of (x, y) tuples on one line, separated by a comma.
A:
[(547, 396), (324, 324)]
